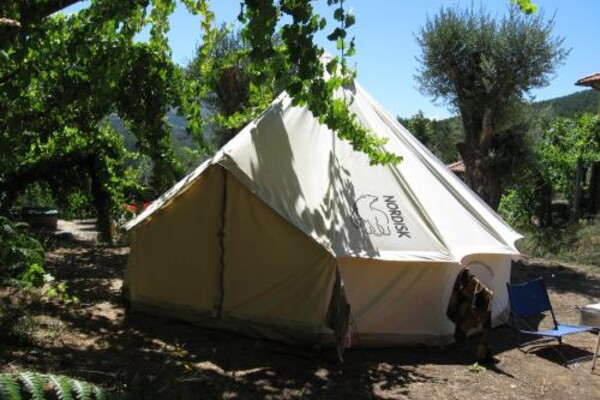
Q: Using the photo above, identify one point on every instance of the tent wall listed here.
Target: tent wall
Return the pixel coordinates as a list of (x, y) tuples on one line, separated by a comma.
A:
[(277, 281), (273, 281), (405, 303), (175, 255), (272, 268), (399, 302)]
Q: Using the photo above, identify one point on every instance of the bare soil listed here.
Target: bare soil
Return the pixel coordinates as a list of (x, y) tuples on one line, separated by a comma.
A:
[(145, 357)]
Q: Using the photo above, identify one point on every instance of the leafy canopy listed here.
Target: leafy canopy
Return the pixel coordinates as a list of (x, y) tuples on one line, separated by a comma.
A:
[(61, 76), (281, 51), (484, 67), (474, 62), (567, 143)]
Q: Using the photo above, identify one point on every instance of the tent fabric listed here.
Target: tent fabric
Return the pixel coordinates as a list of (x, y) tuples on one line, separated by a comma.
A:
[(280, 279), (399, 302), (280, 272), (159, 269), (252, 239), (320, 184)]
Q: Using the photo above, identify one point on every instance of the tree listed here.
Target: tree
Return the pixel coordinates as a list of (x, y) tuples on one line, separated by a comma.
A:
[(67, 73), (233, 95), (561, 166), (439, 136), (568, 150), (59, 79), (484, 69), (279, 36)]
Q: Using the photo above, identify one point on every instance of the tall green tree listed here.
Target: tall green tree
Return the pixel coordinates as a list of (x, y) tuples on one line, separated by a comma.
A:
[(60, 77), (484, 68), (439, 136), (568, 150), (60, 73), (231, 97)]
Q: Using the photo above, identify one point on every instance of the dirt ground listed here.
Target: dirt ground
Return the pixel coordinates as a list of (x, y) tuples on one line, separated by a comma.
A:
[(146, 357)]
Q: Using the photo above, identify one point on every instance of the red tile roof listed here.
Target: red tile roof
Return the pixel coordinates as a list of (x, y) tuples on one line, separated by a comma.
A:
[(9, 22), (457, 167), (592, 80)]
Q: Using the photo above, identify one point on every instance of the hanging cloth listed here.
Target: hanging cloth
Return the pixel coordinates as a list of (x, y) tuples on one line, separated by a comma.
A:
[(470, 307)]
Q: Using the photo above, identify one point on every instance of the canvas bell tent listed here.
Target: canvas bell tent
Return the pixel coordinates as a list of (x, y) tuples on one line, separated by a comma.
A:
[(286, 226)]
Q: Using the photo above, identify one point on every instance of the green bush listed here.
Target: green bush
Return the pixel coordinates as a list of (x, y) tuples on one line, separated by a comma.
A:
[(21, 256), (37, 194), (547, 242), (516, 207), (21, 270), (77, 205), (578, 243), (36, 386)]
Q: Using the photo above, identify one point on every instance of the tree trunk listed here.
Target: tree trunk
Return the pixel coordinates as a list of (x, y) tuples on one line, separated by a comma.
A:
[(577, 193), (483, 180), (594, 189), (544, 209), (479, 172), (101, 200)]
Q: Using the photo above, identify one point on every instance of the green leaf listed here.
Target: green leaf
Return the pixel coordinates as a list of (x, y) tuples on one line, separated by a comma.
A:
[(322, 23), (338, 14), (350, 20), (100, 393), (9, 387), (527, 6), (332, 66), (351, 51), (62, 386), (34, 384), (83, 390), (476, 368), (336, 34)]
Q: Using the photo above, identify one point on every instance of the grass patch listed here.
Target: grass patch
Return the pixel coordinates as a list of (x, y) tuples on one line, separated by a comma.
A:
[(577, 244)]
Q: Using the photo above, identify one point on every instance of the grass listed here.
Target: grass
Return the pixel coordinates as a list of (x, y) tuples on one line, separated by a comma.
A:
[(577, 244)]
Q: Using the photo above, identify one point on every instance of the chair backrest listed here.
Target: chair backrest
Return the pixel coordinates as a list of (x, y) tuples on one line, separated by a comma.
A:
[(529, 298)]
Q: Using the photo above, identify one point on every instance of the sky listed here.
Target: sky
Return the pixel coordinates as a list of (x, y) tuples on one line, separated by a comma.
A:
[(387, 52)]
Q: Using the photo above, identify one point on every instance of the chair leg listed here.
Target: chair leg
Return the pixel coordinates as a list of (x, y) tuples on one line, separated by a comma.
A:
[(561, 352), (596, 352)]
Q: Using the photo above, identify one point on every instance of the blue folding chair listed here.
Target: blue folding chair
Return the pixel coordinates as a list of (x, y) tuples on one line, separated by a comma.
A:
[(530, 299)]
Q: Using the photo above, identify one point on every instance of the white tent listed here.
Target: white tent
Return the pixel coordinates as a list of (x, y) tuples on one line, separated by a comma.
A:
[(286, 223)]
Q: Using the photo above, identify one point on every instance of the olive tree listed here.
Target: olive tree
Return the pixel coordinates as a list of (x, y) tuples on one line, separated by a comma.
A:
[(484, 68)]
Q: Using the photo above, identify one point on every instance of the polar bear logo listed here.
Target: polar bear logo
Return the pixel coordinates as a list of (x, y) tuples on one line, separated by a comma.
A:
[(370, 218)]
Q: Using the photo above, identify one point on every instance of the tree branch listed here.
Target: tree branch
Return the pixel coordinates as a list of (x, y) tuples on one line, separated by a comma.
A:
[(32, 14)]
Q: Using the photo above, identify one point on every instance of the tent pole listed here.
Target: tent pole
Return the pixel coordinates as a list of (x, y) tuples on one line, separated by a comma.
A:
[(221, 234)]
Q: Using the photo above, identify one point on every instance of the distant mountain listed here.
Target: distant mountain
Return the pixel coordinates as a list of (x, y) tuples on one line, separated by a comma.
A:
[(564, 106), (567, 106), (571, 105), (448, 131), (180, 136)]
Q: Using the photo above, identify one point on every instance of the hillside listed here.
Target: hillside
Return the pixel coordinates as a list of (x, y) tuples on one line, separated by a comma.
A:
[(446, 133), (180, 135), (572, 104), (564, 106)]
